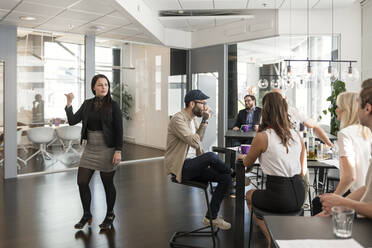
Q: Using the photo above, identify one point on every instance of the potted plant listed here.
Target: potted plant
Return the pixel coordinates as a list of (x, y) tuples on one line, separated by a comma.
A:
[(126, 100), (338, 87)]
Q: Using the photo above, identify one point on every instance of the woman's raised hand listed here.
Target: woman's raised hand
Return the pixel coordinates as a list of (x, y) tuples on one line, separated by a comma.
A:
[(69, 98)]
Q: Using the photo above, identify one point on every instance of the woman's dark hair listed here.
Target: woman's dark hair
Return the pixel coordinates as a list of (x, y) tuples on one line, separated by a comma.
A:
[(107, 100), (275, 115)]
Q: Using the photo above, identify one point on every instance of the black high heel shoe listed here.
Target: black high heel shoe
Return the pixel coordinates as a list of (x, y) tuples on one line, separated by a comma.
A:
[(87, 218), (107, 222)]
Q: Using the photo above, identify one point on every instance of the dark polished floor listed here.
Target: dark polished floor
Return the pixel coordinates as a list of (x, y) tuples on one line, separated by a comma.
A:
[(40, 211)]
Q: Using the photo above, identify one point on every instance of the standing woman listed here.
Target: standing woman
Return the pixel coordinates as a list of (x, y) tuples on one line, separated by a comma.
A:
[(103, 130)]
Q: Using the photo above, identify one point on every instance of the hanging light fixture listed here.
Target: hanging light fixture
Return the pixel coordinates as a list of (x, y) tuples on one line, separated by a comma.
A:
[(330, 73), (349, 74), (275, 82), (263, 83)]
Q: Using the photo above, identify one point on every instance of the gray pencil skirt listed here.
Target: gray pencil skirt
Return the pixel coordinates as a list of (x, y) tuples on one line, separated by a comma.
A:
[(96, 155)]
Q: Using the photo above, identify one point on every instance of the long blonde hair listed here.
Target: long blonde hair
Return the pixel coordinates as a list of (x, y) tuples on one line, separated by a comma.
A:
[(347, 101)]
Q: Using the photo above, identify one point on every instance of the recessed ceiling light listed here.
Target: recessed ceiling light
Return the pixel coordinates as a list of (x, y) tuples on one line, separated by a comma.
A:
[(27, 18)]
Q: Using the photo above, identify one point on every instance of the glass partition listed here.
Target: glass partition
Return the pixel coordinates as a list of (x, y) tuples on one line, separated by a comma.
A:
[(263, 61), (208, 83), (48, 66), (1, 119), (139, 81)]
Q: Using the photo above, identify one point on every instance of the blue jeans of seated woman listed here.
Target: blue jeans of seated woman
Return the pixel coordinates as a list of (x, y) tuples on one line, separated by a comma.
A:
[(209, 168)]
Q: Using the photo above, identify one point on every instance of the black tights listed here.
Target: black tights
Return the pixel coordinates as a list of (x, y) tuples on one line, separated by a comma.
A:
[(83, 179)]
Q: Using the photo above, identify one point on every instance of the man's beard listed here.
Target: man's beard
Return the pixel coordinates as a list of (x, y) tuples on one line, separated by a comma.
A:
[(197, 111)]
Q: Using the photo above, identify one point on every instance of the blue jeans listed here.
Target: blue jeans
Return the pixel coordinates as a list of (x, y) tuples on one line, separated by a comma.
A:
[(209, 168)]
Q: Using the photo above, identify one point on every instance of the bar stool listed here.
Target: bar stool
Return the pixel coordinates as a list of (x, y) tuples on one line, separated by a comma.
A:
[(200, 231), (260, 213)]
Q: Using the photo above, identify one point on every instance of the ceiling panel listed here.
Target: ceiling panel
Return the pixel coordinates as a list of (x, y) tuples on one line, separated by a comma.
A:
[(200, 4), (318, 4), (123, 31), (113, 21), (232, 4), (92, 27), (64, 24), (162, 4), (120, 14), (77, 15), (267, 4), (95, 6), (56, 3), (14, 16), (38, 9), (3, 13), (8, 4)]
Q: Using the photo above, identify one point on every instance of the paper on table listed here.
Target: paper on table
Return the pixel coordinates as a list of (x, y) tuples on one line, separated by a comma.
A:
[(319, 243)]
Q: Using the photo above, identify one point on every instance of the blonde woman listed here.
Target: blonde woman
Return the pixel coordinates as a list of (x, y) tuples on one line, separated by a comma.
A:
[(354, 142)]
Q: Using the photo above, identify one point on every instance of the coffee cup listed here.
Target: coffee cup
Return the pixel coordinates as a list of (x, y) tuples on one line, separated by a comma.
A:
[(244, 149), (246, 128)]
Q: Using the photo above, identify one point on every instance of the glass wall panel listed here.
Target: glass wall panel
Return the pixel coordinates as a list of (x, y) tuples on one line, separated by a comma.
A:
[(49, 66), (1, 119), (263, 61), (139, 79), (208, 83), (176, 93)]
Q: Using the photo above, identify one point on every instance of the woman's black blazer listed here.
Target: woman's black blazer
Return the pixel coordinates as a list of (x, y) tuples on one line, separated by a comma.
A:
[(112, 122)]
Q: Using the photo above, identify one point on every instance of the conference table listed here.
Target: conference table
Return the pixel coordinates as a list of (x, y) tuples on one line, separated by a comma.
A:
[(314, 228)]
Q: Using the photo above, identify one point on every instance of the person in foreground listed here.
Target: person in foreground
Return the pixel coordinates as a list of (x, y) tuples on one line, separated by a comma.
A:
[(103, 130), (281, 153), (354, 142), (361, 199), (184, 155), (250, 115)]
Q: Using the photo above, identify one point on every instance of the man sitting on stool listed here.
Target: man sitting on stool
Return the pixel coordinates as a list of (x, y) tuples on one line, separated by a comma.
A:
[(184, 155)]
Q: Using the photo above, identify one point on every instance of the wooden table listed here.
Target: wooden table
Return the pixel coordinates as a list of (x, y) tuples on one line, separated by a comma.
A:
[(297, 227)]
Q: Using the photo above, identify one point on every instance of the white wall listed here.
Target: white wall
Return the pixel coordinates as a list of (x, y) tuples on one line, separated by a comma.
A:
[(149, 122), (264, 24), (347, 23), (366, 40)]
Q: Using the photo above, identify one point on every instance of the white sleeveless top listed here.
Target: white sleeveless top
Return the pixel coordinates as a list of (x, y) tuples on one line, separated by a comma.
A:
[(275, 161)]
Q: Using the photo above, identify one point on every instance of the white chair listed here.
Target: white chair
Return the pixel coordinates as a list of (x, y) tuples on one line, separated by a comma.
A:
[(41, 136), (19, 141), (69, 134)]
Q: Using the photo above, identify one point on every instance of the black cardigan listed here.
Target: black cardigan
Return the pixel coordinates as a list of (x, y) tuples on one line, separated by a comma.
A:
[(112, 123)]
